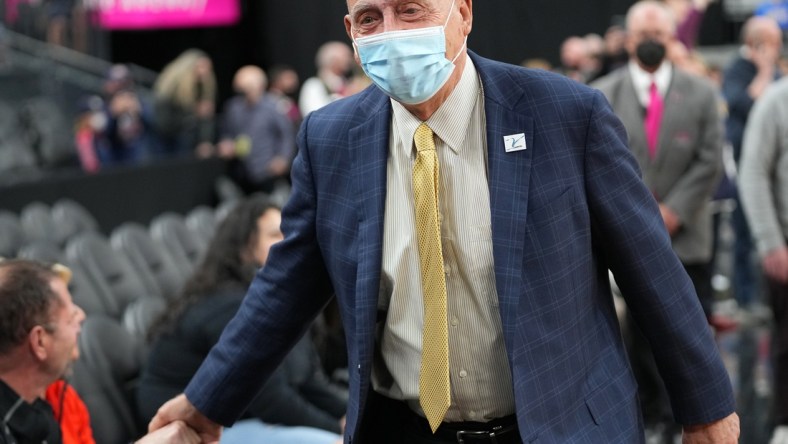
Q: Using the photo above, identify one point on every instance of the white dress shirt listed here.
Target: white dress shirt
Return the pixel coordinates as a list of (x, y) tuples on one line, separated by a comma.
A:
[(642, 79), (481, 382)]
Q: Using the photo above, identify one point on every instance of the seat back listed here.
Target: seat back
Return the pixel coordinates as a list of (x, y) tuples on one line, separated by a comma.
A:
[(42, 251), (109, 270), (139, 316), (224, 209), (171, 231), (71, 218), (201, 221), (37, 222), (151, 261), (81, 288), (105, 376), (12, 236)]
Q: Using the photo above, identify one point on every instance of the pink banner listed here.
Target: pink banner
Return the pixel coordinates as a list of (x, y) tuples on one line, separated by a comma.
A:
[(155, 14)]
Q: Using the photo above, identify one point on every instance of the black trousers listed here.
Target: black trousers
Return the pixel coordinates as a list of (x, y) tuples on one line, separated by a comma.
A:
[(778, 298), (387, 421)]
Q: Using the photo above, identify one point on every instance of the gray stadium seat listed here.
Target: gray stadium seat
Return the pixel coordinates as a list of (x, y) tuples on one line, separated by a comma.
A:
[(12, 236), (105, 376), (80, 287), (36, 218), (71, 218), (151, 261), (109, 270), (170, 229), (202, 221), (224, 209), (140, 314)]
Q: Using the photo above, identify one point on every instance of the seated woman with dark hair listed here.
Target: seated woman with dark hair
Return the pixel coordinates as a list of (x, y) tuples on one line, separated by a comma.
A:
[(298, 394)]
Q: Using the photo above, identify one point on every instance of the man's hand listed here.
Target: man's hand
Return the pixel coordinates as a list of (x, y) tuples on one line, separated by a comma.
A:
[(724, 431), (775, 264), (670, 218), (173, 433), (180, 409)]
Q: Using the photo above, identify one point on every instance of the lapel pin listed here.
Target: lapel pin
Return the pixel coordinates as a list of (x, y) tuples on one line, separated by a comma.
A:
[(514, 142)]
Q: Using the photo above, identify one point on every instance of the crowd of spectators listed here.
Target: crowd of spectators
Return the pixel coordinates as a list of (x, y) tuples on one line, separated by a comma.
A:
[(255, 129)]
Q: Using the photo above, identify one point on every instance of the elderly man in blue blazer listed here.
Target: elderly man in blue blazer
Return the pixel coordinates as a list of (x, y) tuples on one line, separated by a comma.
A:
[(465, 214)]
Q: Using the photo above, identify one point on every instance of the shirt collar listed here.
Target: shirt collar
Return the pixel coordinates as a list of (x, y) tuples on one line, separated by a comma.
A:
[(642, 79), (443, 122)]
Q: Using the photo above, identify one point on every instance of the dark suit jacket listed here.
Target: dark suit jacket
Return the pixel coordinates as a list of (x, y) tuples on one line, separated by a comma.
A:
[(687, 167), (563, 210)]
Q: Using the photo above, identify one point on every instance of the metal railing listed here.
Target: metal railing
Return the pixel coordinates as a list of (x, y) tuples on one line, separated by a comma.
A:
[(67, 64)]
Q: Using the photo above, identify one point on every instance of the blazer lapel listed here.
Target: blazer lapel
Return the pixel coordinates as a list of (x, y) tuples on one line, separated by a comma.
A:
[(509, 177), (369, 146)]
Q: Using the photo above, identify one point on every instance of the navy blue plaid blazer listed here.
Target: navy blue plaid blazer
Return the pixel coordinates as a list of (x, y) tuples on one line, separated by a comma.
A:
[(564, 211)]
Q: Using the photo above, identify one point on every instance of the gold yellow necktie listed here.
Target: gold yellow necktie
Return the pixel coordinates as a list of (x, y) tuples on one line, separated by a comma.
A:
[(434, 391)]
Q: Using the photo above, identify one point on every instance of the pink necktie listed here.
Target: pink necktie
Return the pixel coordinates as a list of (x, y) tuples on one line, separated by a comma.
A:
[(653, 119)]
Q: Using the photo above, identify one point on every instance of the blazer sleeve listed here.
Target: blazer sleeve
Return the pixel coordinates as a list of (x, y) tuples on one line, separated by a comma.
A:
[(281, 302), (627, 226)]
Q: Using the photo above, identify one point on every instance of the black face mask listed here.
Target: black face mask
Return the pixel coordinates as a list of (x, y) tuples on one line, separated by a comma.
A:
[(650, 53)]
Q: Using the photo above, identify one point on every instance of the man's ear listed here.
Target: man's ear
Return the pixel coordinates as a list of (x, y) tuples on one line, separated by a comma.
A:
[(37, 341), (466, 10)]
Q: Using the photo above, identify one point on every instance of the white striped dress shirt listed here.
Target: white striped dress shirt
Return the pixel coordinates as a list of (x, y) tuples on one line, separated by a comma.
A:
[(481, 382)]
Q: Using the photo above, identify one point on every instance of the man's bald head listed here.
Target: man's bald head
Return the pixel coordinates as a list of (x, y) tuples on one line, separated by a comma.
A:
[(760, 29), (250, 81), (650, 12)]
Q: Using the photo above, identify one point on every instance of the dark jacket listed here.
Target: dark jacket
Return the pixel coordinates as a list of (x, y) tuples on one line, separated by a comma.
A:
[(24, 423), (297, 394)]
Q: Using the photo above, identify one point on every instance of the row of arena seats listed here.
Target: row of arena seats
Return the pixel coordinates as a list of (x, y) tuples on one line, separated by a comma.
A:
[(112, 272), (122, 281)]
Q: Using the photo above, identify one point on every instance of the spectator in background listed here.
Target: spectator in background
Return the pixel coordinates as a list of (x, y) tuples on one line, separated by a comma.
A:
[(129, 133), (615, 53), (577, 60), (675, 133), (184, 105), (256, 132), (59, 13), (765, 198), (90, 123), (298, 394), (283, 87), (39, 326), (776, 9), (689, 18), (334, 62), (744, 81)]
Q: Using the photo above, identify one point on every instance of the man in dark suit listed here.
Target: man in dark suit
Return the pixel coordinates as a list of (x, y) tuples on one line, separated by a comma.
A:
[(680, 156), (470, 268)]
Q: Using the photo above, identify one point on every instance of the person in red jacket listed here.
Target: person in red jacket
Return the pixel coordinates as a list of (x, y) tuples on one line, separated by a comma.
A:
[(70, 412)]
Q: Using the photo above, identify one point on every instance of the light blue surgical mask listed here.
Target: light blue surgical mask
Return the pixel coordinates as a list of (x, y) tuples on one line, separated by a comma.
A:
[(409, 65)]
